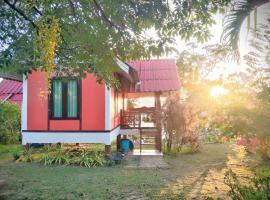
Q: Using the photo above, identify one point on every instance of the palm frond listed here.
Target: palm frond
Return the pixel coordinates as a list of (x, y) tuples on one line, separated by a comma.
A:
[(240, 9)]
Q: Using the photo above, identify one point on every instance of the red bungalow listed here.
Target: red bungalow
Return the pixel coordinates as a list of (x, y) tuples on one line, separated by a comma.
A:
[(83, 111)]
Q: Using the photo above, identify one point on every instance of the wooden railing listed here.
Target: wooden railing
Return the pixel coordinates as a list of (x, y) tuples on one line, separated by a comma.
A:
[(138, 118)]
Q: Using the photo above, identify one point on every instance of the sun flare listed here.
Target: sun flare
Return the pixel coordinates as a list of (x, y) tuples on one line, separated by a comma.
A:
[(218, 91)]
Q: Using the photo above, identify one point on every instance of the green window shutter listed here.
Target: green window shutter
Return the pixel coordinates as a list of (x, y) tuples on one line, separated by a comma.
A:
[(57, 98), (72, 98)]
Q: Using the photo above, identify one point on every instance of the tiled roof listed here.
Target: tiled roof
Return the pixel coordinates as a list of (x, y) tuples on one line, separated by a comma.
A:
[(11, 90), (158, 75)]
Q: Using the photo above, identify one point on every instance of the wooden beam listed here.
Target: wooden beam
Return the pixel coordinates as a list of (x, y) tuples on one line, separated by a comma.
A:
[(158, 120)]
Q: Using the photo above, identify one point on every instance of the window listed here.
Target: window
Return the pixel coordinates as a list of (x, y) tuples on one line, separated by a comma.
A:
[(65, 99)]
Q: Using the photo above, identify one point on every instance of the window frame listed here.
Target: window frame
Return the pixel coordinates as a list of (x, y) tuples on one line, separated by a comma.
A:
[(65, 99)]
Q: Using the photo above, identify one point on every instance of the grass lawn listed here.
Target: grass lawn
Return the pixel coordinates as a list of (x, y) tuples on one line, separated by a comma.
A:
[(190, 175)]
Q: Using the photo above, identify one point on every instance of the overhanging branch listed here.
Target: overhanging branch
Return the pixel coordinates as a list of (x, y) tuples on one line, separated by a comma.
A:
[(20, 12)]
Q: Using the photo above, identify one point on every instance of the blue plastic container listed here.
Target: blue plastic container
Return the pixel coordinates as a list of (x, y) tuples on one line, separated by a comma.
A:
[(124, 144)]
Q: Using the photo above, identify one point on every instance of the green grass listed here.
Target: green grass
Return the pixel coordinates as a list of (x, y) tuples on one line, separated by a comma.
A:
[(35, 181), (8, 148)]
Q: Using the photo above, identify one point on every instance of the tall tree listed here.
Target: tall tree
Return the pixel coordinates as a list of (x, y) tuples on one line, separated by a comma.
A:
[(88, 35)]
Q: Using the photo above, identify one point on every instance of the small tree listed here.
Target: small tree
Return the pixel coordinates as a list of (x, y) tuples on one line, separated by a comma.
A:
[(10, 123), (180, 123)]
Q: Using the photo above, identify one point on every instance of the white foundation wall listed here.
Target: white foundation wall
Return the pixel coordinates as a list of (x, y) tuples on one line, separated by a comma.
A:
[(106, 138)]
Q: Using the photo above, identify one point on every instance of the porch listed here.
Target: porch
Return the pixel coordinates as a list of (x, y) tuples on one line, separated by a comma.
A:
[(157, 77), (142, 125)]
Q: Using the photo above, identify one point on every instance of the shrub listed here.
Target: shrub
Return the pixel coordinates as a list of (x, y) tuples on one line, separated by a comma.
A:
[(256, 145), (27, 155), (47, 157), (16, 153), (84, 159), (56, 156), (257, 189), (180, 123), (61, 157), (81, 157), (98, 159), (10, 123)]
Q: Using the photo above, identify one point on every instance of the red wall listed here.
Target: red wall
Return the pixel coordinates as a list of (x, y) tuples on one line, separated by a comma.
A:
[(93, 104), (92, 108), (37, 105), (68, 125)]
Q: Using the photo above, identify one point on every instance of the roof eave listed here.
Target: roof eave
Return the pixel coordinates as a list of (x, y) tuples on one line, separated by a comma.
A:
[(128, 70)]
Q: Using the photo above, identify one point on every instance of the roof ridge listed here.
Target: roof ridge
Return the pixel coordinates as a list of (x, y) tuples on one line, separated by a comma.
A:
[(153, 59)]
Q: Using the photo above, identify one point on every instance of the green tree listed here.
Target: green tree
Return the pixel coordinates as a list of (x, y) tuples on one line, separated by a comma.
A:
[(195, 64), (10, 123), (92, 33)]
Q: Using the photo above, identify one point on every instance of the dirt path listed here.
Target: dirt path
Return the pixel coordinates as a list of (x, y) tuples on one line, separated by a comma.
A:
[(145, 162), (202, 175)]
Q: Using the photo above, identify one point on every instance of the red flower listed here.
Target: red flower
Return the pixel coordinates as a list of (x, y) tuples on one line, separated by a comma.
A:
[(254, 144), (241, 141), (255, 141)]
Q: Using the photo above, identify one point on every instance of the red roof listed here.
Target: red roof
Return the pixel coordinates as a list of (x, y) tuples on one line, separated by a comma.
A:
[(158, 75), (11, 90)]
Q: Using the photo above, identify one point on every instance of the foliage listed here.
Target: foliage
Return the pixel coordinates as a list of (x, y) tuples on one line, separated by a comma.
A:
[(85, 160), (180, 123), (93, 33), (89, 159), (56, 156), (47, 157), (46, 43), (195, 64), (9, 149), (131, 103), (258, 187), (238, 12), (16, 153), (27, 155), (264, 148), (10, 126), (82, 157), (248, 112)]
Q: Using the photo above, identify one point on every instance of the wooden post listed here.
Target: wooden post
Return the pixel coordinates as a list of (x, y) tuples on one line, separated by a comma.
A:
[(140, 140), (107, 151), (118, 140), (158, 120)]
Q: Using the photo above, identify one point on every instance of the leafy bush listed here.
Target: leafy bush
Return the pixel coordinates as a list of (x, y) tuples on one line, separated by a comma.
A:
[(10, 123), (61, 157), (55, 156), (27, 155), (81, 157), (9, 148), (86, 158), (264, 149), (180, 123), (16, 153), (47, 158), (257, 189)]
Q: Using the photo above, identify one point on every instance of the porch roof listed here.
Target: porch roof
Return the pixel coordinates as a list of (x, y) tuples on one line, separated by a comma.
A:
[(157, 75)]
